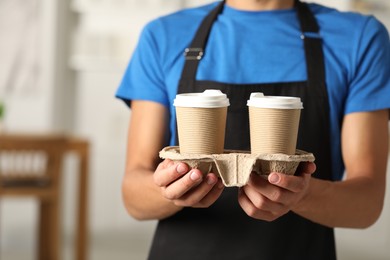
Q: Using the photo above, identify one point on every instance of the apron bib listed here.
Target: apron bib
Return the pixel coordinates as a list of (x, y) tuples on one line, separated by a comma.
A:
[(224, 231)]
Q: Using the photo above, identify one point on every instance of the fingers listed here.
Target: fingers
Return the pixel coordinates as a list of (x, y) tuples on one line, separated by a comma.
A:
[(288, 182), (260, 201), (185, 186), (179, 187), (262, 193), (306, 168), (265, 210), (271, 198), (212, 195), (174, 178), (204, 195), (291, 183), (168, 171)]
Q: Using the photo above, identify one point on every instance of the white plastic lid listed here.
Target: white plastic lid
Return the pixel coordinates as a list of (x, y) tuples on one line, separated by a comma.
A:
[(279, 102), (210, 98)]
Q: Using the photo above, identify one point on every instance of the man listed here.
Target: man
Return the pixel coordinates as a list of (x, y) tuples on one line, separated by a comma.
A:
[(337, 63)]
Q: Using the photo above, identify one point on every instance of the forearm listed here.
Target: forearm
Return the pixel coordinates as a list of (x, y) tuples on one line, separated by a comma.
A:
[(143, 199), (353, 203), (147, 135), (357, 201)]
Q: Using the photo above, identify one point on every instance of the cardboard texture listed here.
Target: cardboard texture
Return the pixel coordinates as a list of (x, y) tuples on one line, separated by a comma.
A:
[(235, 167), (273, 130), (201, 130)]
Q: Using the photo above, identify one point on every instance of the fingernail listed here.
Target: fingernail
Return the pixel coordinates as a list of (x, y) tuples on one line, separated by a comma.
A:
[(211, 181), (194, 176), (273, 178), (181, 168)]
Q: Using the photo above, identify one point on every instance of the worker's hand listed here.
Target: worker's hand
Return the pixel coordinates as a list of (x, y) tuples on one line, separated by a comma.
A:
[(270, 199), (187, 187)]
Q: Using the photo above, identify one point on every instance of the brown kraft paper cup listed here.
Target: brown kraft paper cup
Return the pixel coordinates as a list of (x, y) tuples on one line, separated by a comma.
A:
[(273, 130), (201, 122), (201, 130), (274, 124)]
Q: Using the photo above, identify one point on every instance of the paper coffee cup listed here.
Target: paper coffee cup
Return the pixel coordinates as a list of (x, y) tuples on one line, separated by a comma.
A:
[(201, 121), (274, 123)]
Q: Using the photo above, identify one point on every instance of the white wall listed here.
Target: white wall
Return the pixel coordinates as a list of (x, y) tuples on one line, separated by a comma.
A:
[(30, 28)]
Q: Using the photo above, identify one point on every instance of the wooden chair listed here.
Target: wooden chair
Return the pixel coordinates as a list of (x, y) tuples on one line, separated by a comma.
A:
[(32, 166)]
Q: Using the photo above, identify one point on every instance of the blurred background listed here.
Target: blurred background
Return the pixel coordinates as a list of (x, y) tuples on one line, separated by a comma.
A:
[(61, 62)]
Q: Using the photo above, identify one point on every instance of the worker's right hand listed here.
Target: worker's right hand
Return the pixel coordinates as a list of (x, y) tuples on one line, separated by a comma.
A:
[(187, 187)]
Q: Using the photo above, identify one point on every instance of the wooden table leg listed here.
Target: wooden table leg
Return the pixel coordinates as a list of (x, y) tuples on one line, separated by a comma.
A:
[(82, 223), (81, 148), (49, 230)]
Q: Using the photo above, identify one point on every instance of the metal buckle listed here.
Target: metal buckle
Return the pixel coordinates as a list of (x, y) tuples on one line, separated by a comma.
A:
[(314, 35), (193, 53)]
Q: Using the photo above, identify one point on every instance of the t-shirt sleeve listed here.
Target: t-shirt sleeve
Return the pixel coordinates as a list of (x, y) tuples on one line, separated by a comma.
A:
[(369, 87), (143, 78)]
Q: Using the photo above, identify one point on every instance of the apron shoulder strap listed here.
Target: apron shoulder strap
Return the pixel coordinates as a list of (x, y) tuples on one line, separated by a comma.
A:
[(314, 55), (194, 53), (310, 35)]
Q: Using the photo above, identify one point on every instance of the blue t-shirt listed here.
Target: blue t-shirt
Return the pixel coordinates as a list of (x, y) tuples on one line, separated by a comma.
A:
[(266, 47)]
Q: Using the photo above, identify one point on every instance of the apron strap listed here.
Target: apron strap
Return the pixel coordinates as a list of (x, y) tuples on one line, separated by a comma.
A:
[(194, 53), (314, 55), (310, 35)]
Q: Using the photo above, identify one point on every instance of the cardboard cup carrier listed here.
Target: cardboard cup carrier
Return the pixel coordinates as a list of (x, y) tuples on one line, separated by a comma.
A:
[(274, 123), (201, 121)]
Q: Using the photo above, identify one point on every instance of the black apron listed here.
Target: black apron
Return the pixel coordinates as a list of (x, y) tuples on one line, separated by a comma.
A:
[(224, 231)]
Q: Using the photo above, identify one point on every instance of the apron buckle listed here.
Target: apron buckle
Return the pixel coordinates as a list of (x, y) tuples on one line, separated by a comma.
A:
[(193, 53)]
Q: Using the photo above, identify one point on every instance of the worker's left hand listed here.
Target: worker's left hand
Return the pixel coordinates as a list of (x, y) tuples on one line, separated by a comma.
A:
[(270, 199)]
